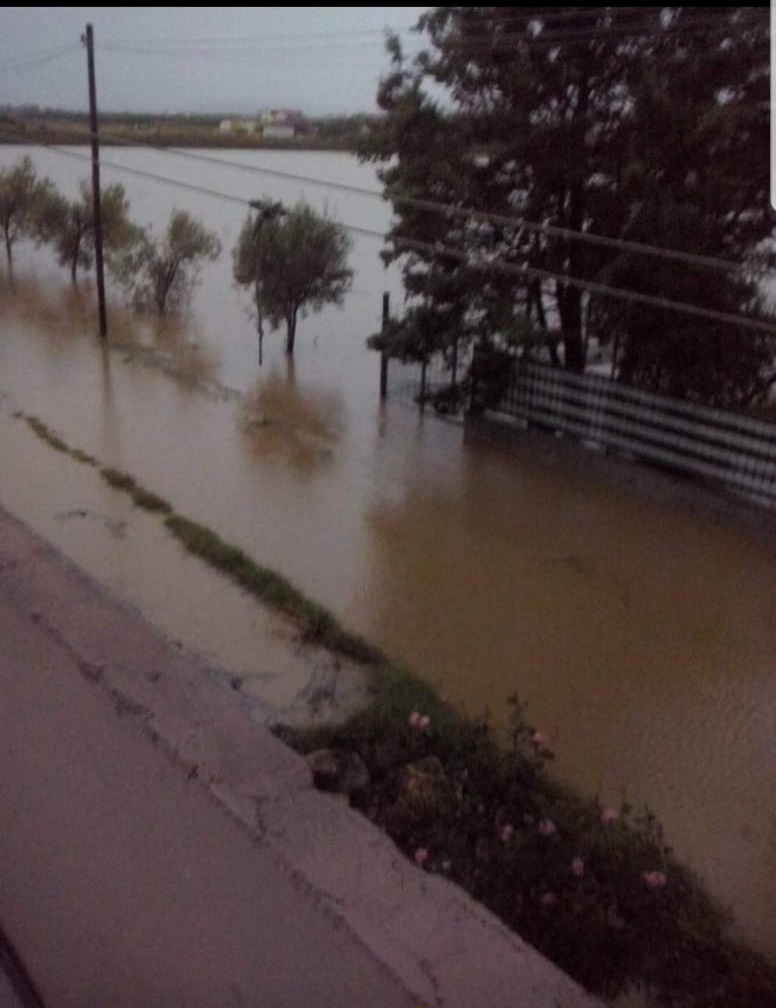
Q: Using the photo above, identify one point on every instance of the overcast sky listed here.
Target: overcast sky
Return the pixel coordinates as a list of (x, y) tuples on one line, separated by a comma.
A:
[(200, 59)]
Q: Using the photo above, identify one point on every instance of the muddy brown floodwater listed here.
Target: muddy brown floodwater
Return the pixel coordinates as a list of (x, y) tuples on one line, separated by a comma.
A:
[(642, 640)]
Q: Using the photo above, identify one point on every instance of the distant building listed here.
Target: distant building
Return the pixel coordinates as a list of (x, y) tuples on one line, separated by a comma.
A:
[(237, 126), (282, 124)]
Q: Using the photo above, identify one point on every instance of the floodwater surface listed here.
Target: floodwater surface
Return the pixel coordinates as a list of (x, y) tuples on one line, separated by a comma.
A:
[(641, 640)]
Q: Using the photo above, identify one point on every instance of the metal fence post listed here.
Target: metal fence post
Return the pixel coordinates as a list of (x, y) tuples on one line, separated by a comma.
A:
[(384, 352)]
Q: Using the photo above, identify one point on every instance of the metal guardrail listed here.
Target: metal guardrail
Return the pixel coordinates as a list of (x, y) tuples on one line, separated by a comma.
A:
[(736, 450)]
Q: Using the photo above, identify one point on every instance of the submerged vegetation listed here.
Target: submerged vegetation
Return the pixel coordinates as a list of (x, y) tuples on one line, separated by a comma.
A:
[(157, 274), (595, 889)]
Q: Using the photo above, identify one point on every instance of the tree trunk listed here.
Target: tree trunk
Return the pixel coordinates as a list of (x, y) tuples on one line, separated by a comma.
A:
[(290, 332), (74, 258), (570, 311), (9, 253)]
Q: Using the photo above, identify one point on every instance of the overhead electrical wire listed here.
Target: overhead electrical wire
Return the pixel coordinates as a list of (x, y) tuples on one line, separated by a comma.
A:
[(571, 13), (22, 64), (583, 15), (496, 41), (38, 57), (447, 209), (484, 265)]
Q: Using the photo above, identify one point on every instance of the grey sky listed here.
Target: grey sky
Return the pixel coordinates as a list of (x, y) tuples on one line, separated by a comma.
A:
[(200, 59)]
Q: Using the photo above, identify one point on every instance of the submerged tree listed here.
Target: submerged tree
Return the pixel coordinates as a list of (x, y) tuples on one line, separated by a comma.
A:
[(21, 195), (161, 274), (68, 225), (645, 124), (294, 261)]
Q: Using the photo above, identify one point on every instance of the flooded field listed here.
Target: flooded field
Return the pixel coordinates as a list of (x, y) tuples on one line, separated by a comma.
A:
[(643, 642)]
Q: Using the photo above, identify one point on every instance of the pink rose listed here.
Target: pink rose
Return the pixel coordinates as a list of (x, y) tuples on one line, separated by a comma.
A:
[(578, 867), (421, 856), (654, 879), (609, 816), (414, 719), (538, 741), (547, 827), (424, 722)]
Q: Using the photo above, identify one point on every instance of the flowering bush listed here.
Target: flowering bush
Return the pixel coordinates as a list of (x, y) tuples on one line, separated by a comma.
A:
[(595, 889)]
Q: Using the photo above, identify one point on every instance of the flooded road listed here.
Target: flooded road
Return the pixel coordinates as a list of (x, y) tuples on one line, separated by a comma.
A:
[(643, 642)]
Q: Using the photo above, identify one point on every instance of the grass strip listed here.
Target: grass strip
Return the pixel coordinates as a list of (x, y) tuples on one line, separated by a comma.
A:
[(140, 496), (317, 623), (47, 435)]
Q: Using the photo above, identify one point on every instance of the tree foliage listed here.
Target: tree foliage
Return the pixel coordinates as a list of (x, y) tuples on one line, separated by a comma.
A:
[(647, 124), (161, 273), (68, 225), (294, 260), (21, 194)]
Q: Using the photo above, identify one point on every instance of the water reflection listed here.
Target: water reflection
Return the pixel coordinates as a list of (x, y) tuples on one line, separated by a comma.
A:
[(56, 309), (298, 426)]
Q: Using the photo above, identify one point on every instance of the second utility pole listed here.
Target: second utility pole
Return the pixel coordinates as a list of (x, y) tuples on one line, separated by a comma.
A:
[(89, 40)]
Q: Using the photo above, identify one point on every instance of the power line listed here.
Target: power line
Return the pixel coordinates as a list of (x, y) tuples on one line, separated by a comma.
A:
[(23, 64), (449, 210), (591, 286), (245, 49), (493, 265), (584, 16), (38, 56)]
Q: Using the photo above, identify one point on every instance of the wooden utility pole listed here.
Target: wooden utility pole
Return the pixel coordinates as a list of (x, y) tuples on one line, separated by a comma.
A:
[(88, 39)]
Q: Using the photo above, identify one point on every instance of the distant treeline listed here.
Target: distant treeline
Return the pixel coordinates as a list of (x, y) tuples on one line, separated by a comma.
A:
[(30, 124)]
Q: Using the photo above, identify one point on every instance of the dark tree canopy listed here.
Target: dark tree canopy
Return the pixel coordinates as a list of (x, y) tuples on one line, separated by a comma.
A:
[(647, 124)]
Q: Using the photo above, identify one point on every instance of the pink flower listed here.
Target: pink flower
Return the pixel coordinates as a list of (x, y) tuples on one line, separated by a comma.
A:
[(421, 856), (424, 722), (547, 827), (609, 816), (507, 832), (538, 741), (414, 719), (548, 900), (654, 879), (578, 867)]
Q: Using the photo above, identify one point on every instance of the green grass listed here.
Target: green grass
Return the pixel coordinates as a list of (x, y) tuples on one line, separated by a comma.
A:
[(47, 435), (82, 456), (140, 496), (316, 623), (118, 480)]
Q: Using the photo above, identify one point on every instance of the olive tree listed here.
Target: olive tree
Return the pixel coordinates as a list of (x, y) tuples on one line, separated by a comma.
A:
[(294, 260), (21, 194), (68, 225), (161, 273)]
